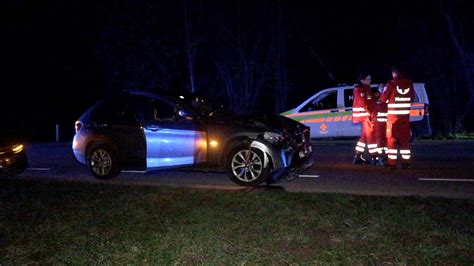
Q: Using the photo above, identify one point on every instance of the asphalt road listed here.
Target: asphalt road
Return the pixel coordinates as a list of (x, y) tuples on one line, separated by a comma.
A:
[(440, 168)]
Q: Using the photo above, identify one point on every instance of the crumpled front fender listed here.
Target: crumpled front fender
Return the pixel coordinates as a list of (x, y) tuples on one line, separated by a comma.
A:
[(278, 156)]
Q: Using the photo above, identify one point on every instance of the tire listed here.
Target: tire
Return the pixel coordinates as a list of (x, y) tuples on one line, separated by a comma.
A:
[(103, 162), (247, 173)]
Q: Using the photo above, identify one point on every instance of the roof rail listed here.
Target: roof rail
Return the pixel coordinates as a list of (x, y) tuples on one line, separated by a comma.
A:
[(142, 93)]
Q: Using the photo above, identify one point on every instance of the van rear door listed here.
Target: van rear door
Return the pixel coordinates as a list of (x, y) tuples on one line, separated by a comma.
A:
[(419, 104)]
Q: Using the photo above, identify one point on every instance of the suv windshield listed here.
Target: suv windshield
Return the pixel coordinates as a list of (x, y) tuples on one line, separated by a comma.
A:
[(203, 106), (160, 108)]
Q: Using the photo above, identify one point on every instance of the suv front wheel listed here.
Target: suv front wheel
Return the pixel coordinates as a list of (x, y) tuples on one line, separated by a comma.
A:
[(102, 162), (246, 166)]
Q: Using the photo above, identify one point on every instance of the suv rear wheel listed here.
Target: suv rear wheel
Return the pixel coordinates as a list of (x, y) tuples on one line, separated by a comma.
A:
[(246, 166), (102, 162)]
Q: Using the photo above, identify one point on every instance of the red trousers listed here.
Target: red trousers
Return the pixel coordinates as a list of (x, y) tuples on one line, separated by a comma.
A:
[(367, 138), (381, 136), (398, 132)]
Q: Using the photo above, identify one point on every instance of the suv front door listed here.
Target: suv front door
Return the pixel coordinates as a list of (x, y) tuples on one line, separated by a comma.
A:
[(171, 140)]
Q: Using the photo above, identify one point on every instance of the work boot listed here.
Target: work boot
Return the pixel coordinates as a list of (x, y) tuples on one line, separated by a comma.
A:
[(375, 161), (378, 161), (381, 160), (359, 159), (406, 165)]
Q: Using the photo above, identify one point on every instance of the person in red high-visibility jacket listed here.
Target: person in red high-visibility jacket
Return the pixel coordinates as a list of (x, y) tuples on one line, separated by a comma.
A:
[(380, 128), (363, 112), (399, 94)]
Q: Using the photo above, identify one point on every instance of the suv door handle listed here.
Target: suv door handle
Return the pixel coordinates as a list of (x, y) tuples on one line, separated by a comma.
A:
[(153, 128)]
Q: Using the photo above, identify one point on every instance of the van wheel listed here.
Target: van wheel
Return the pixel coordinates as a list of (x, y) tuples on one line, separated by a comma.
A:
[(246, 166), (102, 162)]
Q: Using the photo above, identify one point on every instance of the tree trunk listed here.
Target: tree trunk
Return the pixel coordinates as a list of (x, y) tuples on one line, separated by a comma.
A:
[(190, 46), (464, 57), (281, 73)]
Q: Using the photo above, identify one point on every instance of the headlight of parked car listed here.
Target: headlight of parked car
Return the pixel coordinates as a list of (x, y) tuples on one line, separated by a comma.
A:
[(17, 148), (273, 137)]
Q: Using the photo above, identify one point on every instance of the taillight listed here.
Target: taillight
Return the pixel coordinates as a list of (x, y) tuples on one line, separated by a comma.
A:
[(78, 126)]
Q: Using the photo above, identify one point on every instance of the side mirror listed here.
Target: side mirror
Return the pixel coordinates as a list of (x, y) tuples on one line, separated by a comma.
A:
[(184, 114)]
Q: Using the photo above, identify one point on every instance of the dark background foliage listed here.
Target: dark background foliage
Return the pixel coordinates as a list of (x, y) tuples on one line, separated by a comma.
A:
[(59, 57)]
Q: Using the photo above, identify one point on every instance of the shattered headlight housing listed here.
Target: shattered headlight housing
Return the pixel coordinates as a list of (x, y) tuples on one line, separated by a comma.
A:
[(273, 137)]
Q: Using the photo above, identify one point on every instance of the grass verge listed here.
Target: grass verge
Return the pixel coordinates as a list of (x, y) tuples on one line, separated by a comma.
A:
[(73, 223)]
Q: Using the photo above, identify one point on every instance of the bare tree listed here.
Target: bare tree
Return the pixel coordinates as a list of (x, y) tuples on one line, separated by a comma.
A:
[(281, 87), (136, 53), (244, 69), (466, 57), (192, 41), (147, 64), (440, 71)]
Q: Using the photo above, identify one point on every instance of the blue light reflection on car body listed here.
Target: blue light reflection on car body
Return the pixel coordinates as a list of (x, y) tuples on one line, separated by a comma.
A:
[(283, 158), (174, 147)]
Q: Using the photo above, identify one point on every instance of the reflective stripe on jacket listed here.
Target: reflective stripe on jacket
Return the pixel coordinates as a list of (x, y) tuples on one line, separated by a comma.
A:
[(398, 95), (363, 103)]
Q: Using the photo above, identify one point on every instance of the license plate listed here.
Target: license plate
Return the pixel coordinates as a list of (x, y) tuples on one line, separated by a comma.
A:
[(305, 151)]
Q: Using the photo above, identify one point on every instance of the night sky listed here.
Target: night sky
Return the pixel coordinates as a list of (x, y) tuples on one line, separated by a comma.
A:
[(61, 56)]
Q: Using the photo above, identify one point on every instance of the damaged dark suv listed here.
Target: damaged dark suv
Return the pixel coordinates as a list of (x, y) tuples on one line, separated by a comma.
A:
[(144, 131)]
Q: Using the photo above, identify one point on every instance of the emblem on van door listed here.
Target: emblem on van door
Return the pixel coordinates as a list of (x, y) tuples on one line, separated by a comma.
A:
[(403, 91), (323, 129)]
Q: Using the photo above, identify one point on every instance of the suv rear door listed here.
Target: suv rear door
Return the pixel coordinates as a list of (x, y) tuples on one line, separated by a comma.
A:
[(115, 120)]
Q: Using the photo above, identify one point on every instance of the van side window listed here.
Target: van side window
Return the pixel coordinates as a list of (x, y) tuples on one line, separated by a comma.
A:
[(324, 101), (416, 99), (348, 97)]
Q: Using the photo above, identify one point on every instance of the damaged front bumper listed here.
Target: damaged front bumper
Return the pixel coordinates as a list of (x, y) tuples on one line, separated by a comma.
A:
[(285, 161)]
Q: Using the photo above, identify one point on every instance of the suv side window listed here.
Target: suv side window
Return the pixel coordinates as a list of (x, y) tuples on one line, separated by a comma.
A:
[(159, 110), (327, 100), (113, 112), (348, 97)]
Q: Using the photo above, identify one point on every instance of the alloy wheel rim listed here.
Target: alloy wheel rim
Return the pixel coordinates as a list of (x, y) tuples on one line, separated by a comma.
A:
[(101, 162), (246, 166)]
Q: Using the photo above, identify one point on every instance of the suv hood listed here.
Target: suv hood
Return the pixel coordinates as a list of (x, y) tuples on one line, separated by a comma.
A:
[(7, 142), (273, 123)]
